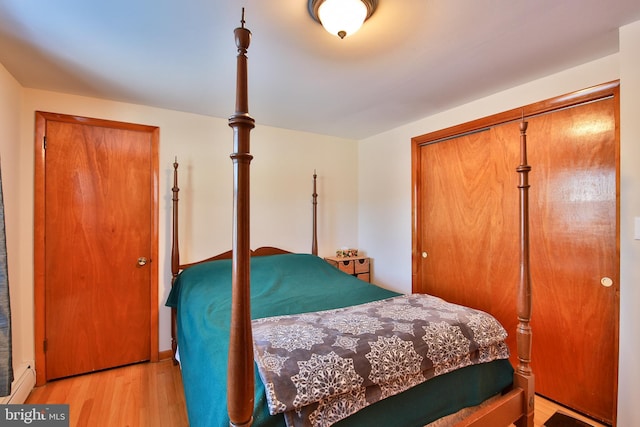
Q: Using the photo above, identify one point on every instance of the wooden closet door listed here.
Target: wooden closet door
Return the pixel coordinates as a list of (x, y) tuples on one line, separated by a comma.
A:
[(573, 252), (468, 234), (100, 239)]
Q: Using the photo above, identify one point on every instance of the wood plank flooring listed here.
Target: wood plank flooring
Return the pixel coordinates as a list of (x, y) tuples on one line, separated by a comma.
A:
[(142, 395), (150, 395), (546, 408)]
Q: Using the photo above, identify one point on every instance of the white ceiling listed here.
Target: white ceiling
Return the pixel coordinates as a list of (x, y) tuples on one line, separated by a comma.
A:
[(411, 59)]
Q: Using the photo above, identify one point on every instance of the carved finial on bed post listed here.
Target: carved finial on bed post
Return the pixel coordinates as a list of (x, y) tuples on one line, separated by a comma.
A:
[(314, 239), (243, 38), (240, 379)]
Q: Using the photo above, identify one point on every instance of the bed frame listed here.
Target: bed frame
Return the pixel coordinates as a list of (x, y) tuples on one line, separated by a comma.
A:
[(514, 407)]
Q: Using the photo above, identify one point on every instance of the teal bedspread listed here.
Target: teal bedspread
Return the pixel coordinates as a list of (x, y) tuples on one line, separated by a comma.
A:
[(289, 284)]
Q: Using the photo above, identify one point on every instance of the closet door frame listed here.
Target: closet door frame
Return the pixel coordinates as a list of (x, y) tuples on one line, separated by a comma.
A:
[(600, 92)]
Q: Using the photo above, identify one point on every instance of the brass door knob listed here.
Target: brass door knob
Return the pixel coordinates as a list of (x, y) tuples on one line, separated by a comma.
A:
[(606, 282)]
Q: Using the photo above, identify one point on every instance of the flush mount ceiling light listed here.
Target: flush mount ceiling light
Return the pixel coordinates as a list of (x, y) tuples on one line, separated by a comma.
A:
[(342, 17)]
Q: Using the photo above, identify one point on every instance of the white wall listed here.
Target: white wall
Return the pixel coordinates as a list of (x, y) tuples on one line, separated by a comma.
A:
[(16, 219), (384, 181), (281, 184)]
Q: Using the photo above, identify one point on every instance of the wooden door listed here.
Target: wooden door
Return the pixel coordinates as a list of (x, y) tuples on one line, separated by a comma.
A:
[(467, 229), (99, 241)]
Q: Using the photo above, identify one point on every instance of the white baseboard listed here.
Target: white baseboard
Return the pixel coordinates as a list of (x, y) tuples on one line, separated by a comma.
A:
[(24, 382)]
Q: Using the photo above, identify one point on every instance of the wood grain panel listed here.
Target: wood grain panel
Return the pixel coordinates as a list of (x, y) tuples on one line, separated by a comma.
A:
[(574, 245), (98, 218)]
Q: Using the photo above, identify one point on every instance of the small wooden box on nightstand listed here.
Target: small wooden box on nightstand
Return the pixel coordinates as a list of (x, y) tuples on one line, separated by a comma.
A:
[(356, 266)]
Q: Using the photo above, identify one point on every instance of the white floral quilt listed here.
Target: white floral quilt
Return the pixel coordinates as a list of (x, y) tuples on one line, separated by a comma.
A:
[(321, 367)]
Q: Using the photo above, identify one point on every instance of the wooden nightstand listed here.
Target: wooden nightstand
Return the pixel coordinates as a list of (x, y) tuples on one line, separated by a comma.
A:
[(357, 266)]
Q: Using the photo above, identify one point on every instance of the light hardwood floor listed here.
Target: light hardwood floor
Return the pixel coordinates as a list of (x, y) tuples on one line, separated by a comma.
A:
[(150, 395), (546, 408), (141, 395)]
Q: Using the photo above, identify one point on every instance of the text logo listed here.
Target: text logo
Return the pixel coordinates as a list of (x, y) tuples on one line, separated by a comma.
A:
[(34, 415)]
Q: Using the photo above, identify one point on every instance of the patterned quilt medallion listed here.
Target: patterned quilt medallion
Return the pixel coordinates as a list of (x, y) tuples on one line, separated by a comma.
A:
[(321, 367)]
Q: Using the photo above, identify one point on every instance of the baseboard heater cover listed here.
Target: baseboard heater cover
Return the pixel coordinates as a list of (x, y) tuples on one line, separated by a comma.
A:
[(21, 387)]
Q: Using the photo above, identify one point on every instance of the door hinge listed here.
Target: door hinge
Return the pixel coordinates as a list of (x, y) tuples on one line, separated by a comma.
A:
[(45, 345), (44, 142)]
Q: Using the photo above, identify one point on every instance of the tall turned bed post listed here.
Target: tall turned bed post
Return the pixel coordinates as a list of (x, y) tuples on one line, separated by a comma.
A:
[(314, 239), (175, 257), (240, 380), (524, 377)]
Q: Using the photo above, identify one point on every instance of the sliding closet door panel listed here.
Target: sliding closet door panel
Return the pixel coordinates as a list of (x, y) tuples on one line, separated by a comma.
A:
[(573, 248)]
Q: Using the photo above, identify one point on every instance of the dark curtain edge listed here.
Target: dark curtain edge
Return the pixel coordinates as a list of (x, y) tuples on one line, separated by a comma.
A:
[(6, 358)]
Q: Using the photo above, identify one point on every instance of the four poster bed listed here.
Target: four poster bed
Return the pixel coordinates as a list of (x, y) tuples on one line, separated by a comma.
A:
[(329, 348)]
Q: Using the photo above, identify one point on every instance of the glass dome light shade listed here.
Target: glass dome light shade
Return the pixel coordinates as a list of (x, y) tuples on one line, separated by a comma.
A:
[(342, 17)]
